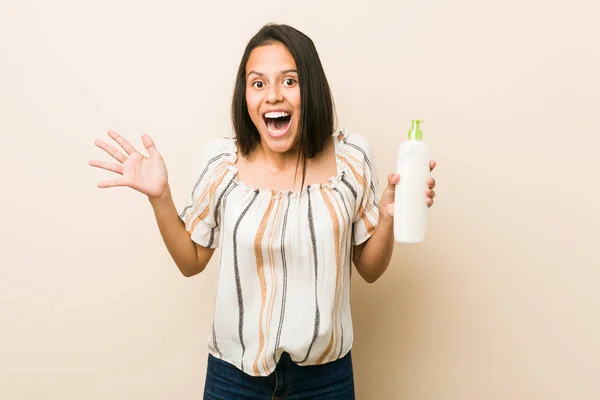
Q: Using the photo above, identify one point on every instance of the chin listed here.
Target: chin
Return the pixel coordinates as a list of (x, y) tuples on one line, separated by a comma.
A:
[(282, 144)]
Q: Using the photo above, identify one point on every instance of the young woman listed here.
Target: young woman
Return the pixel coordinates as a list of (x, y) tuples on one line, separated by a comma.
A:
[(292, 204)]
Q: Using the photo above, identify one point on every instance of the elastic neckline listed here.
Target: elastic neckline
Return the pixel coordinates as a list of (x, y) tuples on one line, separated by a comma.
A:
[(332, 182)]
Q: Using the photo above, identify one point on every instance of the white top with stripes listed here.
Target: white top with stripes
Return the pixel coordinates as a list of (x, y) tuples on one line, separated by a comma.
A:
[(285, 257)]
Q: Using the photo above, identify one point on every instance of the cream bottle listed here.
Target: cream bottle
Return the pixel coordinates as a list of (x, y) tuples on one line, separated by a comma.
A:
[(410, 204)]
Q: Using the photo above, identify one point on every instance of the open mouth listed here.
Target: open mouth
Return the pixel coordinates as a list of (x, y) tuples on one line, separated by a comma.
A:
[(277, 122)]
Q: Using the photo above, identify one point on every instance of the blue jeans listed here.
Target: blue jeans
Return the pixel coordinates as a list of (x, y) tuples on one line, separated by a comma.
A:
[(289, 381)]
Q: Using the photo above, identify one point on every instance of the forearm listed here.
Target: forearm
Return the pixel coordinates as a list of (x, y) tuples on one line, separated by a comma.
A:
[(188, 256), (374, 257)]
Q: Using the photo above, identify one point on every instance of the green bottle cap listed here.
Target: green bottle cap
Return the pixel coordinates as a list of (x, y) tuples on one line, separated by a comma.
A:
[(415, 132)]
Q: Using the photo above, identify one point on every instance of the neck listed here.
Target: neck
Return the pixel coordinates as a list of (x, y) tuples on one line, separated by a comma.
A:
[(279, 162)]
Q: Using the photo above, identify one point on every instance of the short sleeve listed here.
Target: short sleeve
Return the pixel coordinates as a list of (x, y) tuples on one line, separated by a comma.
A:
[(201, 211), (366, 217)]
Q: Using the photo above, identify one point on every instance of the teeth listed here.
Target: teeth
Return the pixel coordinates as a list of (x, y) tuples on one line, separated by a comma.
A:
[(276, 114)]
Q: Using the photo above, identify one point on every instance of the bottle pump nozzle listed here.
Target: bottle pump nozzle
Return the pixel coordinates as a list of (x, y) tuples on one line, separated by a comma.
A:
[(415, 132)]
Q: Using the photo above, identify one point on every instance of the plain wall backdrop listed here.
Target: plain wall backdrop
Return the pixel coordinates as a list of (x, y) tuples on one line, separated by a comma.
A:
[(501, 301)]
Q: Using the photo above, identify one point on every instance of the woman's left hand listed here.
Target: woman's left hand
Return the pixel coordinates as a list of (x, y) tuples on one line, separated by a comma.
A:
[(386, 204)]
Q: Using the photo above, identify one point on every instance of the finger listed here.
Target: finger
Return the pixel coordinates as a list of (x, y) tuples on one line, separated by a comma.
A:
[(122, 141), (432, 165), (429, 202), (430, 193), (393, 180), (390, 190), (149, 145), (112, 183), (116, 154), (431, 182), (118, 168)]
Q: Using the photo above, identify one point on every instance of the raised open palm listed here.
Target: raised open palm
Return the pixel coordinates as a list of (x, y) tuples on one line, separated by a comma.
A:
[(147, 175)]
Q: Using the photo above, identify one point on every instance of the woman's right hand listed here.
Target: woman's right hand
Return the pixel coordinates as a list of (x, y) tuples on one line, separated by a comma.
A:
[(147, 175)]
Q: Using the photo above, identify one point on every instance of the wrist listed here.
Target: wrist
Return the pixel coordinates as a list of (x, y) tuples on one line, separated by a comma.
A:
[(385, 218), (385, 224), (162, 199)]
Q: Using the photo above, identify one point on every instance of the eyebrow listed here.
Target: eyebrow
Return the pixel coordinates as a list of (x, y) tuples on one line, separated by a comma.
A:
[(287, 71)]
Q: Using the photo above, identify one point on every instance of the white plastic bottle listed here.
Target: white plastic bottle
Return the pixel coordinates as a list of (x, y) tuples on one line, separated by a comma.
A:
[(410, 204)]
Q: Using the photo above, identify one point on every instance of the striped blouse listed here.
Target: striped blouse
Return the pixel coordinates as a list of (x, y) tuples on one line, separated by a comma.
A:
[(285, 257)]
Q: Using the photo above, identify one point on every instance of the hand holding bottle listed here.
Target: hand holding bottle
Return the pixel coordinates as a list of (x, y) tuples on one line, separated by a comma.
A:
[(386, 204), (147, 175)]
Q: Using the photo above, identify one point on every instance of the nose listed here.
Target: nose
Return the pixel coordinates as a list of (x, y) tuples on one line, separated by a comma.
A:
[(274, 94)]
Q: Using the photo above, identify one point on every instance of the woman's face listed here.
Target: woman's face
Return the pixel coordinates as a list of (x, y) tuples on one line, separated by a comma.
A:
[(273, 96)]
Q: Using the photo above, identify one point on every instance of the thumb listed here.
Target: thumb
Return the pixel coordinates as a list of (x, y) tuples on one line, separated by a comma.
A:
[(388, 194), (149, 145), (393, 180)]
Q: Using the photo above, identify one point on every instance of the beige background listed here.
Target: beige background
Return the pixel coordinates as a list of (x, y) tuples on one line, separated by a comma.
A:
[(501, 302)]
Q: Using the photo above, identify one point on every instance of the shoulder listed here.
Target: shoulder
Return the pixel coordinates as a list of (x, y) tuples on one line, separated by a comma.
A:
[(351, 137), (220, 147), (214, 155), (356, 145)]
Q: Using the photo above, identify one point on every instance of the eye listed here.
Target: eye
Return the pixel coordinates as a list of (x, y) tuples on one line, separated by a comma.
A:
[(258, 85), (289, 82)]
